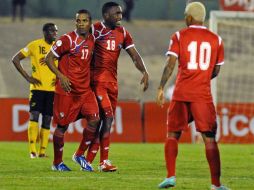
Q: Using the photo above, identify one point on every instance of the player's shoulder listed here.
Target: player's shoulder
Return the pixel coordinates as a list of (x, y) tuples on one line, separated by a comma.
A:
[(37, 41), (98, 25)]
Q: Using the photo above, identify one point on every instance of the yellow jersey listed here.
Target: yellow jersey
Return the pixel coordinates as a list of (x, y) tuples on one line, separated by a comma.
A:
[(37, 50)]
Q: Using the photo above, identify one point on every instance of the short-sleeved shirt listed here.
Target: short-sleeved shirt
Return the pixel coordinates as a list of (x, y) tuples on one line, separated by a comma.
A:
[(198, 51), (37, 50), (74, 54), (108, 45)]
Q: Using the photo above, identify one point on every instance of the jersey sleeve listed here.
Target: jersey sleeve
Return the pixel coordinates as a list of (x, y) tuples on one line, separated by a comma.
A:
[(61, 46), (220, 58), (128, 41), (174, 47), (26, 51)]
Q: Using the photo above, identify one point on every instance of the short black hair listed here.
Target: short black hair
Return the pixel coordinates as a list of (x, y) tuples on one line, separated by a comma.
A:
[(108, 6), (47, 26), (84, 11)]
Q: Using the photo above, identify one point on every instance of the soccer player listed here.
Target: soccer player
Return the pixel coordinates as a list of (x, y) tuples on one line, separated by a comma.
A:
[(111, 37), (42, 87), (74, 98), (200, 54)]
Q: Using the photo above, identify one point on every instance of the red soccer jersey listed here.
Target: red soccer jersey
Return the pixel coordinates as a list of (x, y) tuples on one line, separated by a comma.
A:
[(108, 44), (75, 54), (198, 51)]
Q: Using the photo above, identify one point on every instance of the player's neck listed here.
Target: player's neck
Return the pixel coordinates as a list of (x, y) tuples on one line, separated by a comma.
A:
[(48, 41), (108, 25)]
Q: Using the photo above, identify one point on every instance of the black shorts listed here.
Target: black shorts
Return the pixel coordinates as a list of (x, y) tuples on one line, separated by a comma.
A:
[(42, 101)]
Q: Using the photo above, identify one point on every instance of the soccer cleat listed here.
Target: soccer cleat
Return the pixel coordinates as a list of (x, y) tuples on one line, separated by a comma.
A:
[(168, 182), (213, 187), (60, 167), (33, 155), (81, 160), (106, 166)]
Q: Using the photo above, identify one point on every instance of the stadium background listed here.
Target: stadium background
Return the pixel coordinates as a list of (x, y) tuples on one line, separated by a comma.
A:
[(138, 118)]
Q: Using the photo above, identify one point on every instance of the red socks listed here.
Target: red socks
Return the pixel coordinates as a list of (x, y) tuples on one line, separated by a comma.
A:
[(104, 146), (171, 151), (58, 143), (93, 149), (213, 158)]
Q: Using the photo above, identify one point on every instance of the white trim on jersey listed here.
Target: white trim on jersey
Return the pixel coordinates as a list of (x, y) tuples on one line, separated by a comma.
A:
[(178, 35), (220, 40), (103, 24), (53, 51), (132, 45), (69, 39), (221, 63), (197, 26), (171, 53)]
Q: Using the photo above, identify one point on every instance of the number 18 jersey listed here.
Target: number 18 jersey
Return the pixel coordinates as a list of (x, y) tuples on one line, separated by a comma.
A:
[(198, 51)]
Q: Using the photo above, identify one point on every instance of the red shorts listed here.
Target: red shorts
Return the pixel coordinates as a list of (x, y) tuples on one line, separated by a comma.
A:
[(106, 93), (181, 113), (68, 109)]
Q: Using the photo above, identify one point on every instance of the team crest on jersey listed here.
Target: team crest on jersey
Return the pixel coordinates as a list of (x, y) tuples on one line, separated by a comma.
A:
[(99, 98), (61, 114), (59, 43), (26, 49)]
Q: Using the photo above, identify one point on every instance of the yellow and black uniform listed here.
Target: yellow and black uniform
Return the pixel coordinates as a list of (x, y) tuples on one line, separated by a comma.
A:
[(41, 96)]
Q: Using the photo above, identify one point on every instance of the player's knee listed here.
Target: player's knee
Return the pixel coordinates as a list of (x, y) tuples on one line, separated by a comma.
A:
[(62, 129), (108, 121), (93, 123), (34, 116), (46, 120), (209, 134)]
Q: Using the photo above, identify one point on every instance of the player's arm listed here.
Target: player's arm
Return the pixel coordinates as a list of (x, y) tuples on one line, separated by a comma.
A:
[(167, 72), (140, 65), (65, 82), (216, 71), (16, 60)]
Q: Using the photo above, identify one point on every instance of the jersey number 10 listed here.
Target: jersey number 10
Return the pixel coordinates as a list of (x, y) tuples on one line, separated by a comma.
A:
[(203, 61)]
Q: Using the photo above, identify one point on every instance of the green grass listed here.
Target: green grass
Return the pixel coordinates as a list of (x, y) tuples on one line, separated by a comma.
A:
[(141, 167)]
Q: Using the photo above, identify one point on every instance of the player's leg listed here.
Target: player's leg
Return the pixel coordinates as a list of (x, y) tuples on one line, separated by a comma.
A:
[(65, 110), (90, 111), (178, 117), (205, 119), (108, 105), (35, 104), (46, 121)]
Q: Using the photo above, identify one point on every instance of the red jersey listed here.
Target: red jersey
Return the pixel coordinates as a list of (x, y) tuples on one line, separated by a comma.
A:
[(108, 44), (75, 54), (198, 51)]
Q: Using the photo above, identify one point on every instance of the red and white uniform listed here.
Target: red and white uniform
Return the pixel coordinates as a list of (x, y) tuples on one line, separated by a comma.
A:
[(74, 54), (108, 45), (198, 51)]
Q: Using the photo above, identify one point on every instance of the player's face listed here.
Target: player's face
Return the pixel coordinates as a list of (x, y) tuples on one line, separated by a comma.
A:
[(114, 16), (51, 33), (83, 23)]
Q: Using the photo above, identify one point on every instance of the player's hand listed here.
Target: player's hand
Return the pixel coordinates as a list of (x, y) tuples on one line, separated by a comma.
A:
[(42, 61), (160, 97), (145, 81), (65, 83), (34, 81)]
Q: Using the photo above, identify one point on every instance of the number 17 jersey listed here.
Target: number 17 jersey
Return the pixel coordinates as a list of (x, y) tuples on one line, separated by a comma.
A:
[(198, 51)]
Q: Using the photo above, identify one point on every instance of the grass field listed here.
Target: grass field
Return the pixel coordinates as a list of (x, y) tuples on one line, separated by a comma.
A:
[(141, 167)]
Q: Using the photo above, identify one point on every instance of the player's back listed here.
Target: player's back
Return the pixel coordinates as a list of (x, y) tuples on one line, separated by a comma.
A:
[(199, 50)]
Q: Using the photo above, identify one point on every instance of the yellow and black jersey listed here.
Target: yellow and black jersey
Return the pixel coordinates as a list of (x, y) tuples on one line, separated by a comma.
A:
[(37, 50)]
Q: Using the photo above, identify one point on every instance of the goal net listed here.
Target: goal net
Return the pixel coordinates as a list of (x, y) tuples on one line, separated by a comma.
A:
[(235, 83)]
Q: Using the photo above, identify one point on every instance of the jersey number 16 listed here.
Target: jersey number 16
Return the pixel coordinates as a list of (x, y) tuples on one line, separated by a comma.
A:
[(203, 61)]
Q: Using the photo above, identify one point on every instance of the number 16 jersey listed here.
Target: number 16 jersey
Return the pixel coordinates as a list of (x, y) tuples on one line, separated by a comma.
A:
[(198, 51)]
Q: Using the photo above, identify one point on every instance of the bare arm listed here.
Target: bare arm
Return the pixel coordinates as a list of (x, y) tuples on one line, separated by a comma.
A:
[(65, 82), (168, 69), (140, 65), (216, 71), (16, 60)]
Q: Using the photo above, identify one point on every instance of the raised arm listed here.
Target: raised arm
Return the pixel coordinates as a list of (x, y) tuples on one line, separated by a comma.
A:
[(140, 65), (16, 60), (64, 81), (168, 69), (216, 71)]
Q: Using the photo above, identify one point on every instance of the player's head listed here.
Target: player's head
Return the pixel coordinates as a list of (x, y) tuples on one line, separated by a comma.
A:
[(49, 32), (195, 13), (112, 14), (83, 21)]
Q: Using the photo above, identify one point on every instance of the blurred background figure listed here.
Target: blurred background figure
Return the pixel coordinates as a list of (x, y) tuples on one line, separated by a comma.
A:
[(129, 5), (21, 4)]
